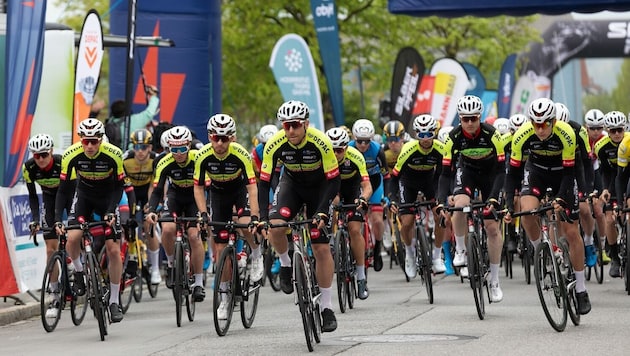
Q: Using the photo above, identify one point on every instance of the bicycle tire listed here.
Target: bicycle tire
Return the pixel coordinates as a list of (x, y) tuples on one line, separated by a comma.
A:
[(97, 295), (191, 305), (475, 273), (227, 262), (47, 296), (342, 272), (599, 268), (548, 282), (569, 282), (316, 316), (178, 275), (625, 255), (249, 299), (424, 254), (400, 253), (352, 289), (274, 278), (526, 256), (127, 285), (152, 288), (303, 298), (78, 309)]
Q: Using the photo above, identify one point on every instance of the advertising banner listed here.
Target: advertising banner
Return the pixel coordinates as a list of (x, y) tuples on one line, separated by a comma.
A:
[(476, 80), (529, 87), (293, 68), (506, 86), (451, 83), (408, 72), (424, 96)]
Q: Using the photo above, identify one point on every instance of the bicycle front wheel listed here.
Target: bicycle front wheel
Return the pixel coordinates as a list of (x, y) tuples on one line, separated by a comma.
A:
[(224, 291), (178, 286), (475, 273), (568, 277), (272, 259), (550, 286), (249, 298), (424, 255), (341, 250), (96, 293), (303, 297), (50, 300), (399, 252)]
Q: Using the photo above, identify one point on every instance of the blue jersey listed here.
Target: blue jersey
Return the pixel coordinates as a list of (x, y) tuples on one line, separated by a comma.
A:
[(374, 159)]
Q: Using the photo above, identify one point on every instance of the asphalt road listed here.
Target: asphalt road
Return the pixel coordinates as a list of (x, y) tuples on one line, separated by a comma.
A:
[(396, 318)]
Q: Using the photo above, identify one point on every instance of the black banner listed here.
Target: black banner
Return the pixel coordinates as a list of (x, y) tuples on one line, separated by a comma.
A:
[(408, 71)]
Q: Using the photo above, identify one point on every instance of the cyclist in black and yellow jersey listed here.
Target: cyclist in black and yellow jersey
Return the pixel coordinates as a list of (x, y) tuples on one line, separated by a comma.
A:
[(310, 176), (177, 167), (355, 188), (101, 177), (551, 164), (394, 140), (139, 168), (417, 170), (232, 188), (610, 163), (480, 167)]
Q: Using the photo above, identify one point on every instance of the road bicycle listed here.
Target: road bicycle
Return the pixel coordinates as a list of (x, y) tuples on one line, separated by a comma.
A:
[(424, 250), (623, 228), (182, 275), (57, 287), (345, 265), (137, 252), (598, 269), (307, 295), (239, 288), (272, 266), (397, 251)]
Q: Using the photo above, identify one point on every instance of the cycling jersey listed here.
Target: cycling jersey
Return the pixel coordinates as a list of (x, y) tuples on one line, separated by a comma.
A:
[(229, 173), (376, 167), (139, 173), (390, 160), (353, 171), (583, 154), (607, 152), (180, 178), (623, 157)]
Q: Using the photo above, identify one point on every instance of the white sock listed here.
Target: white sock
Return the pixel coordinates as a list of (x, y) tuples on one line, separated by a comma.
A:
[(360, 272), (437, 253), (580, 284), (154, 258), (113, 294), (588, 239), (494, 272), (460, 243), (170, 260), (78, 265), (256, 252), (223, 288), (198, 279), (285, 260), (54, 287), (326, 298)]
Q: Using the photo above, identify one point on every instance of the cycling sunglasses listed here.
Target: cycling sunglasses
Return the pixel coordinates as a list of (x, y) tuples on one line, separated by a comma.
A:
[(140, 146), (179, 149), (363, 142), (90, 141), (616, 130), (424, 134), (222, 138), (292, 124), (41, 155), (542, 125), (469, 119), (339, 149)]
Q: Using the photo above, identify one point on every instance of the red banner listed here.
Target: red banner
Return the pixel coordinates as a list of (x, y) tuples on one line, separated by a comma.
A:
[(424, 96)]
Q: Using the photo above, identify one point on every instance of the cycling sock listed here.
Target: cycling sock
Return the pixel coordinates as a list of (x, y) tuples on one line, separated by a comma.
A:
[(535, 243), (54, 286), (78, 266), (223, 287), (113, 295), (326, 298), (199, 279), (588, 240), (285, 260), (460, 243), (437, 253), (154, 257), (360, 272), (494, 272), (580, 285), (256, 252), (410, 250), (170, 259)]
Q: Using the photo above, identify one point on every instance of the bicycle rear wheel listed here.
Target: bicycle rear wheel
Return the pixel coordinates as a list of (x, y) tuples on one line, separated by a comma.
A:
[(352, 280), (303, 298), (526, 256), (178, 286), (399, 252), (274, 276), (249, 298), (550, 286), (424, 254), (566, 268), (188, 289), (475, 273), (225, 265), (52, 297), (96, 293), (127, 286), (341, 251)]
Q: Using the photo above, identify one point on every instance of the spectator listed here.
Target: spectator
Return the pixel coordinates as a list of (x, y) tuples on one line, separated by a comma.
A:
[(115, 125)]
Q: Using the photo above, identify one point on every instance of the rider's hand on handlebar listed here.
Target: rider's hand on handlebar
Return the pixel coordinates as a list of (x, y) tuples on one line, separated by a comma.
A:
[(393, 207), (33, 227), (151, 218), (362, 204), (320, 220), (59, 228), (110, 218)]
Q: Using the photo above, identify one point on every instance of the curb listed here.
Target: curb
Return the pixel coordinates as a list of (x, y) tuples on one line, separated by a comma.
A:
[(16, 313)]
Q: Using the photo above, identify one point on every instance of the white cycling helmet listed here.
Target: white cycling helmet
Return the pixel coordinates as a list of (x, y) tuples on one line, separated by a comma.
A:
[(293, 110), (615, 119), (469, 105), (562, 112), (221, 124), (443, 133), (164, 139), (266, 132), (91, 128), (363, 129), (541, 110), (516, 121), (594, 118), (502, 125), (424, 123), (179, 136), (40, 143), (338, 136)]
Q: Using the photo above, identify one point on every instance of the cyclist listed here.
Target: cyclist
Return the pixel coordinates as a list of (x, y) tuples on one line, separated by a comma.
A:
[(502, 125), (417, 169), (265, 133), (44, 169), (355, 187), (480, 167), (101, 178), (607, 151), (178, 167), (139, 168), (311, 177), (232, 185), (394, 138), (585, 177), (363, 132), (551, 144)]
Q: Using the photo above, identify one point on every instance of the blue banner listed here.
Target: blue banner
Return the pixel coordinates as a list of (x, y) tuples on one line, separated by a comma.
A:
[(489, 100), (476, 81), (507, 80), (293, 68), (24, 53), (325, 18)]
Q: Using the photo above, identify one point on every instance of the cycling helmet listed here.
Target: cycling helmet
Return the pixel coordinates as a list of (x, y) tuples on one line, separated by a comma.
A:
[(40, 143), (266, 132), (541, 110), (293, 110), (141, 136), (424, 123), (164, 139), (516, 121), (502, 125), (562, 112), (443, 133), (179, 136), (406, 137), (594, 118), (105, 138), (615, 119), (221, 124), (338, 136), (91, 128), (394, 128), (363, 128), (469, 105)]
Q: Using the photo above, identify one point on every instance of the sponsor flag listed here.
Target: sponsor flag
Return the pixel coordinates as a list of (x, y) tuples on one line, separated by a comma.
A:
[(408, 72), (424, 96), (451, 83), (476, 80), (24, 53), (489, 100), (529, 87), (88, 68), (506, 86), (325, 18), (294, 70)]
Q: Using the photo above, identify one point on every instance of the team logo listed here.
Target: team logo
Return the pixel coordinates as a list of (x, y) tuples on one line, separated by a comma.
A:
[(293, 60)]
